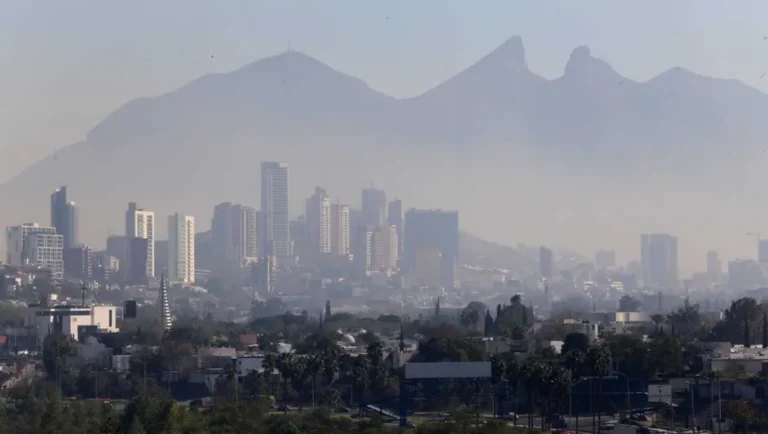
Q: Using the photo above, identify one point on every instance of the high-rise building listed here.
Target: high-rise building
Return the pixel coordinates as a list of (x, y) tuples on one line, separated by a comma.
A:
[(605, 258), (140, 223), (117, 246), (274, 209), (433, 229), (46, 251), (64, 217), (658, 253), (340, 229), (395, 218), (136, 270), (362, 250), (264, 273), (762, 252), (745, 274), (384, 247), (374, 207), (714, 267), (181, 248), (318, 215), (16, 242), (165, 306), (78, 262), (546, 266), (234, 233)]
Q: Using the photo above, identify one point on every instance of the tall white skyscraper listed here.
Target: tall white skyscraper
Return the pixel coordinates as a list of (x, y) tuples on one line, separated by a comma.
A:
[(318, 214), (181, 248), (140, 223), (274, 209), (340, 229)]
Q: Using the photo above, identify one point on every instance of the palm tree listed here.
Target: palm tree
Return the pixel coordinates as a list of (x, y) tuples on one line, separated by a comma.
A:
[(514, 374), (314, 365), (686, 318), (300, 378), (269, 363), (360, 378), (599, 362), (561, 382), (575, 361), (375, 352), (286, 365)]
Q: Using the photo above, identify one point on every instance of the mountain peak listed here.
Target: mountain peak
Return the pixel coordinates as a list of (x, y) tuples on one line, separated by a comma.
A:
[(581, 64), (510, 55)]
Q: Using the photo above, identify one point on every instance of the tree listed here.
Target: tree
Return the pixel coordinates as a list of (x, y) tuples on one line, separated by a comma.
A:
[(267, 342), (56, 348), (741, 413), (599, 362), (575, 361), (287, 366), (685, 319), (747, 340), (575, 342), (658, 320), (314, 366), (629, 304), (765, 329), (328, 308), (488, 326), (469, 318), (437, 307), (742, 314)]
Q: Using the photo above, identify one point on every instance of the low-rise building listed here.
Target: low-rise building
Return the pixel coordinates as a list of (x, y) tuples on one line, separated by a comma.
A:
[(71, 320)]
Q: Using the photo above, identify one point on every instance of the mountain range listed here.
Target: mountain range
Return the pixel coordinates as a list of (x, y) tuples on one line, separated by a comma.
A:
[(202, 143)]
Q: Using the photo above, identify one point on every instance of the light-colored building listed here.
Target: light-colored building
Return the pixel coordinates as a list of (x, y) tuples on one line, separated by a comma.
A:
[(274, 208), (363, 252), (384, 248), (318, 214), (426, 268), (340, 229), (181, 248), (70, 319), (140, 223), (234, 230), (46, 251), (16, 238)]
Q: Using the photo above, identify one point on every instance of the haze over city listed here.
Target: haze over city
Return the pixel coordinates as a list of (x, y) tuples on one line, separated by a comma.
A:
[(700, 180), (383, 217)]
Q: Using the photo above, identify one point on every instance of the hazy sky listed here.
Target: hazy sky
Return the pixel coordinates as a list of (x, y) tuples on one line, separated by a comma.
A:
[(64, 65)]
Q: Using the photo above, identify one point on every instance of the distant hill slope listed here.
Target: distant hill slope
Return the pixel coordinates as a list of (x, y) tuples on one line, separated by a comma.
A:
[(202, 143), (475, 251)]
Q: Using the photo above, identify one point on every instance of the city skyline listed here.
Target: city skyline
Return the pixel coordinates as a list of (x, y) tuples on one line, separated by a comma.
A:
[(141, 220)]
